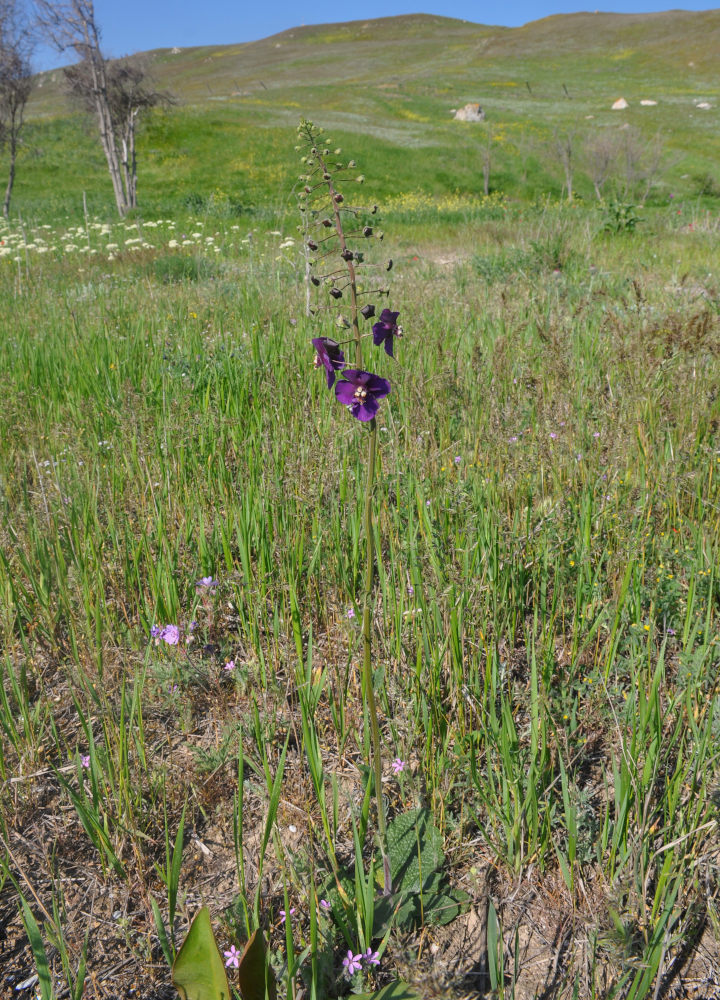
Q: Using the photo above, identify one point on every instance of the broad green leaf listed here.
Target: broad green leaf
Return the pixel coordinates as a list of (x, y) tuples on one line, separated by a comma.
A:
[(416, 849), (198, 972), (254, 970), (437, 903)]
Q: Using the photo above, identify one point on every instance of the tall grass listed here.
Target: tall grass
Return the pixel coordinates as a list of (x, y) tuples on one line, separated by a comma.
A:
[(549, 533)]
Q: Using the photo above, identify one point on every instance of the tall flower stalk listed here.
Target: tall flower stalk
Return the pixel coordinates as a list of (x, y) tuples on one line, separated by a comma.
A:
[(329, 226)]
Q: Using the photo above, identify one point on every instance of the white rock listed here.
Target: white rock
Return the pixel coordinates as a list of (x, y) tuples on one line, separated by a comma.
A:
[(620, 104)]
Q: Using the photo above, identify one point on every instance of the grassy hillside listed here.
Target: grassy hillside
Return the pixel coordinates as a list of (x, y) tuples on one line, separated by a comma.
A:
[(386, 88)]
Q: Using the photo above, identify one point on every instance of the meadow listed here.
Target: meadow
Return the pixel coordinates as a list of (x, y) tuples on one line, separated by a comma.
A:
[(182, 721)]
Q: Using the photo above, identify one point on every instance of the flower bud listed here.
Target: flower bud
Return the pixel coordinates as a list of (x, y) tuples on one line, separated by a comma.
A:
[(368, 311), (339, 198), (347, 255), (315, 281), (307, 189), (312, 245), (351, 164), (388, 265), (367, 231), (373, 210), (360, 178), (338, 151), (326, 222), (326, 176), (336, 293)]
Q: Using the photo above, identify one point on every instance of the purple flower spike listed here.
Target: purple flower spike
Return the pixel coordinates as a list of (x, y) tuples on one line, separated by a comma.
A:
[(329, 356), (361, 391), (385, 329)]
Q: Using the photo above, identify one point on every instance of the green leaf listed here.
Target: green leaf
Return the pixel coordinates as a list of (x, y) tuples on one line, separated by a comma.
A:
[(437, 903), (198, 972), (254, 971), (38, 949), (393, 991), (415, 847)]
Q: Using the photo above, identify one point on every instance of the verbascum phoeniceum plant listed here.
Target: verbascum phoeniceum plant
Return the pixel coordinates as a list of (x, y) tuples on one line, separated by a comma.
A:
[(337, 236)]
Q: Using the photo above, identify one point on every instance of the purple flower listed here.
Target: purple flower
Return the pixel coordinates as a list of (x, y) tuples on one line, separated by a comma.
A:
[(385, 329), (398, 765), (325, 904), (233, 957), (230, 665), (85, 760), (171, 635), (351, 612), (328, 356), (206, 582), (458, 459), (352, 963), (371, 957), (361, 391), (288, 914)]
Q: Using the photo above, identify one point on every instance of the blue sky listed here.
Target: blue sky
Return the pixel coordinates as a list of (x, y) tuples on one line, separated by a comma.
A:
[(135, 25)]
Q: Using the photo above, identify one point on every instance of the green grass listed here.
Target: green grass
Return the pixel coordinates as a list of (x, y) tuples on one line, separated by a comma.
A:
[(546, 600), (386, 88)]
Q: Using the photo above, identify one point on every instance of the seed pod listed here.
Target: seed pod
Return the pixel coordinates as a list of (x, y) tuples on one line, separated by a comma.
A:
[(314, 280), (367, 231), (336, 293), (339, 198), (368, 311), (347, 255), (326, 176), (312, 245), (388, 265), (326, 222)]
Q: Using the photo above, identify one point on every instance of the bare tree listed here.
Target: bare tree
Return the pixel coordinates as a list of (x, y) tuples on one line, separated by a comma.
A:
[(15, 84), (601, 152), (486, 158), (128, 95), (114, 92), (564, 148)]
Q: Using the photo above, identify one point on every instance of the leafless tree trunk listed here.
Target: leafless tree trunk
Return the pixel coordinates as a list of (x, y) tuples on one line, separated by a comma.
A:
[(71, 25), (486, 157), (601, 150), (127, 95), (15, 84), (563, 143)]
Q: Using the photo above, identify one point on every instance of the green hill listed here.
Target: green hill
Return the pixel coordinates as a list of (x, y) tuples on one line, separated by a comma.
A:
[(386, 87)]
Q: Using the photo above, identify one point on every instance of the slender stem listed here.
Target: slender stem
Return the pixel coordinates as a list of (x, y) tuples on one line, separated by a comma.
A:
[(368, 682)]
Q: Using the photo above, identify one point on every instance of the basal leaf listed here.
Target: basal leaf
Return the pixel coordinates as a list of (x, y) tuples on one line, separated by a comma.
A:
[(198, 972), (254, 970), (416, 849)]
